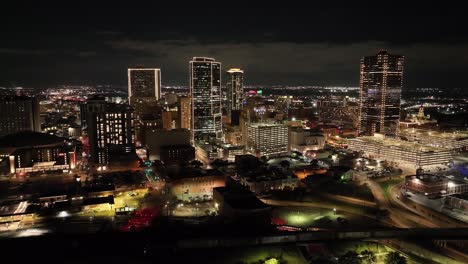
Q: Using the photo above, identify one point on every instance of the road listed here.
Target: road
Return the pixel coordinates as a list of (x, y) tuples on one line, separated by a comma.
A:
[(325, 205), (398, 213)]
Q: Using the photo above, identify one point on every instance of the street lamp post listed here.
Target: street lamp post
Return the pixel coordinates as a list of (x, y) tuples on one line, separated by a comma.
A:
[(334, 211)]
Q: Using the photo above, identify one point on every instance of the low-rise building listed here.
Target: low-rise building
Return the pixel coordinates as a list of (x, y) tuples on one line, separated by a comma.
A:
[(193, 184), (303, 140), (395, 150), (237, 203), (264, 180), (448, 140), (434, 185), (28, 151), (458, 201)]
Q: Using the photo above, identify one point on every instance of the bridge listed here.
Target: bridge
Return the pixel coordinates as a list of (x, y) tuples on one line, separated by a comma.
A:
[(328, 235)]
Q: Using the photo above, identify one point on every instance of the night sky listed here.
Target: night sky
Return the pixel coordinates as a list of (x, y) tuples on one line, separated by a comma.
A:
[(45, 45)]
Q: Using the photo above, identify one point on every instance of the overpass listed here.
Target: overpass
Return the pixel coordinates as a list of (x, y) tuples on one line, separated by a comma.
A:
[(329, 235)]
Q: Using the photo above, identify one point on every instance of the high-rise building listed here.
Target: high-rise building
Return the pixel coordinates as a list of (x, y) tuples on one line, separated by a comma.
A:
[(235, 89), (205, 94), (144, 89), (380, 92), (267, 139), (19, 113), (184, 112), (110, 129)]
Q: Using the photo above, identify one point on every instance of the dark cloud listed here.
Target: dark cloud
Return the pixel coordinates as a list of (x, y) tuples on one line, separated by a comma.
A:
[(44, 45)]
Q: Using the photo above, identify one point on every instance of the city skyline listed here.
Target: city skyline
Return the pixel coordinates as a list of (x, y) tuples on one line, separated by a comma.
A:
[(134, 133), (323, 49)]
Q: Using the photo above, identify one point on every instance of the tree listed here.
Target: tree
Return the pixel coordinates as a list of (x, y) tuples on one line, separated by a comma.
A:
[(314, 163), (349, 257), (219, 163), (368, 257), (284, 164), (395, 258), (196, 163)]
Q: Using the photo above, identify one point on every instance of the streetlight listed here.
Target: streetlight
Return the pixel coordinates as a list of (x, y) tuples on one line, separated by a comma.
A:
[(334, 211)]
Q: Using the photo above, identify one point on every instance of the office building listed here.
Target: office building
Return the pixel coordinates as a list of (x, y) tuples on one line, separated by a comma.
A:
[(267, 139), (380, 83), (235, 90), (173, 154), (205, 94), (303, 140), (144, 89), (110, 130), (184, 112), (19, 113), (167, 120), (157, 139)]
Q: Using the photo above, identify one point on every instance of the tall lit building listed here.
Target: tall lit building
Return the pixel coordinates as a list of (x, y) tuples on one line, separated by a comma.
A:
[(380, 92), (235, 89), (19, 113), (144, 89), (184, 112), (110, 129), (265, 139), (205, 94)]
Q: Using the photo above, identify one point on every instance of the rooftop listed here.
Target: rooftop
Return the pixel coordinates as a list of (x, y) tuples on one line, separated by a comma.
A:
[(396, 143), (239, 197), (266, 125), (462, 196), (456, 135), (28, 139)]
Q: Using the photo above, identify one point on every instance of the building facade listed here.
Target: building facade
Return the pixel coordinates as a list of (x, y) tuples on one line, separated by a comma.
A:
[(303, 140), (267, 139), (381, 81), (433, 185), (394, 150), (205, 95), (172, 154), (110, 129), (28, 151), (235, 90), (167, 120), (184, 110), (156, 139), (19, 113), (453, 140), (144, 90)]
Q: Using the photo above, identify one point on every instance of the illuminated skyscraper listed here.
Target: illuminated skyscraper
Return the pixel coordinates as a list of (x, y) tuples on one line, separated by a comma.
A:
[(110, 129), (205, 94), (235, 89), (380, 92), (144, 89)]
